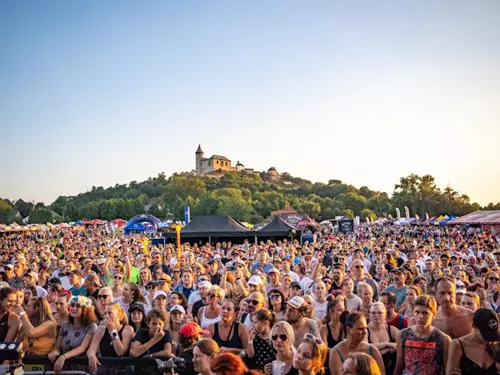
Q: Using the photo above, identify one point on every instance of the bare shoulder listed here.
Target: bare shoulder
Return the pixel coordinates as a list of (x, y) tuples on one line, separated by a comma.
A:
[(462, 311)]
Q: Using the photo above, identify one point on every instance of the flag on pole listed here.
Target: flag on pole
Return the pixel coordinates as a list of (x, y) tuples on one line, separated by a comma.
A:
[(407, 213)]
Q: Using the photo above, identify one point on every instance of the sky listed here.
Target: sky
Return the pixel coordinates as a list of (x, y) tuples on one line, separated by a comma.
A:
[(96, 93)]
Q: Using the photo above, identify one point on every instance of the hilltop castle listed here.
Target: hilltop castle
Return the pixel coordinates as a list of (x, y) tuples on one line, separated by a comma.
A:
[(218, 164)]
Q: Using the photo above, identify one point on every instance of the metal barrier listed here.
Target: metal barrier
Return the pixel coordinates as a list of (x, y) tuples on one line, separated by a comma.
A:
[(35, 365)]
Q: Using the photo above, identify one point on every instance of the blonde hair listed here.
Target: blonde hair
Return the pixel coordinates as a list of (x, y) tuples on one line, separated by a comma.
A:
[(319, 353), (122, 316), (218, 291), (381, 305), (288, 329), (362, 286), (42, 311), (312, 314), (365, 365)]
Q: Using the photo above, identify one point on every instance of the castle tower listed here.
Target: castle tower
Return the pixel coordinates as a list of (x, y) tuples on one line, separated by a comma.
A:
[(199, 155)]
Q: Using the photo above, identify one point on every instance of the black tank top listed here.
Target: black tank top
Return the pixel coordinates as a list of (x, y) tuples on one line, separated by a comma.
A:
[(4, 326), (233, 340), (330, 340), (106, 345), (389, 359), (469, 367)]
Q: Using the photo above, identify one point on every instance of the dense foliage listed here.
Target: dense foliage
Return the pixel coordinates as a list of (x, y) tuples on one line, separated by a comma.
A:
[(246, 197)]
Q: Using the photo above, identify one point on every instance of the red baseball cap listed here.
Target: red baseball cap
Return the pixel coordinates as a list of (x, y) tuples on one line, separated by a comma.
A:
[(191, 329)]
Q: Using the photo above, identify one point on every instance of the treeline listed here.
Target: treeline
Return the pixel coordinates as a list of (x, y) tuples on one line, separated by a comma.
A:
[(246, 197)]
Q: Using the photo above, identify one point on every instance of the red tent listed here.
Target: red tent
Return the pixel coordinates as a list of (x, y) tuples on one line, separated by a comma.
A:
[(119, 223), (95, 222)]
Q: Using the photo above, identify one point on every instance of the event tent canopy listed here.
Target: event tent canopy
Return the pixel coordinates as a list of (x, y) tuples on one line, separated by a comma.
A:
[(478, 218), (215, 226), (276, 228)]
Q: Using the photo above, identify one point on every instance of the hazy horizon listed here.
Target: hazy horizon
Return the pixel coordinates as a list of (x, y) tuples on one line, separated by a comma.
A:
[(102, 93)]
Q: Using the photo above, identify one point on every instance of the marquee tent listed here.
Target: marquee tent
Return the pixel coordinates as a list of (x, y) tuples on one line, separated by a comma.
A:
[(134, 228), (276, 228), (215, 226), (478, 217)]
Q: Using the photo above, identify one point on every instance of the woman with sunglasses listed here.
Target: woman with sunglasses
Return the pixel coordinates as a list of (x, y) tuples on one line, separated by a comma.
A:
[(113, 337), (277, 303), (230, 335), (38, 327), (117, 288), (211, 313), (176, 298), (260, 347), (283, 338), (310, 356), (151, 288), (144, 278), (383, 336), (75, 335), (355, 331), (491, 286), (104, 296)]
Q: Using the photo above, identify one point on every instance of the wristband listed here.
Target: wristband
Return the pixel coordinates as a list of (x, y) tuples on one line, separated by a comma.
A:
[(22, 313), (114, 334), (250, 342)]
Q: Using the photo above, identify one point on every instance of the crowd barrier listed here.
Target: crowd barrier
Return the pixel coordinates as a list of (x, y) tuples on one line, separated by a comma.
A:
[(117, 365)]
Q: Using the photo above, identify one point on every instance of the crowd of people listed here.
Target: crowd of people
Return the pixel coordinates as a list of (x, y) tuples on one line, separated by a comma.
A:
[(383, 300)]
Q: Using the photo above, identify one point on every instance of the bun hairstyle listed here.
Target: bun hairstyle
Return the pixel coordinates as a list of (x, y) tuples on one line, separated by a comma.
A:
[(348, 320), (266, 315), (230, 364), (235, 304)]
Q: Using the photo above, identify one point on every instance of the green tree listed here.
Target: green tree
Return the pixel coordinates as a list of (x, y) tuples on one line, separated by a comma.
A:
[(367, 213), (6, 212)]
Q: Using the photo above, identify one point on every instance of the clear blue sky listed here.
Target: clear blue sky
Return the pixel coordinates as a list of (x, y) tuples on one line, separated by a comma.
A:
[(106, 92)]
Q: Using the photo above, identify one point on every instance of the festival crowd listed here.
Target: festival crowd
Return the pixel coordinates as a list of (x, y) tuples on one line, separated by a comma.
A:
[(383, 300)]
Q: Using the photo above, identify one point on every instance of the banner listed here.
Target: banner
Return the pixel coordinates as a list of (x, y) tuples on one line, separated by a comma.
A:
[(367, 220), (187, 215), (398, 213), (417, 217), (407, 213), (427, 216)]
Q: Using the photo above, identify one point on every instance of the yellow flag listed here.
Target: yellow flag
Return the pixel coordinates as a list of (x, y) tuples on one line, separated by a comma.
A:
[(145, 243)]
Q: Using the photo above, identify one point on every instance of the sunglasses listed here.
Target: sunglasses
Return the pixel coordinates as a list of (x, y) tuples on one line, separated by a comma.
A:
[(357, 266), (76, 305), (118, 278), (176, 271), (149, 287), (493, 278), (253, 302), (212, 295), (310, 336), (275, 296), (102, 296), (282, 337), (202, 279)]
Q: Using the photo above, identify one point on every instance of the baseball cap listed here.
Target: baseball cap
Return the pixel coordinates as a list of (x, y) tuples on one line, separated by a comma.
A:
[(9, 266), (191, 329), (136, 306), (296, 302), (295, 284), (93, 277), (178, 308), (486, 321), (159, 293), (55, 280), (274, 269), (32, 274), (204, 284), (255, 280)]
